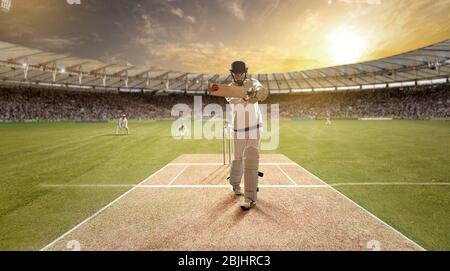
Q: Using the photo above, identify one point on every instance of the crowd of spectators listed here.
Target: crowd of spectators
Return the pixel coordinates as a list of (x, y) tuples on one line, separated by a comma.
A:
[(22, 103), (422, 102)]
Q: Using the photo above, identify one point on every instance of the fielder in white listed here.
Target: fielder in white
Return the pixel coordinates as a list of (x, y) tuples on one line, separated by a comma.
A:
[(123, 124), (247, 126), (328, 118), (182, 130)]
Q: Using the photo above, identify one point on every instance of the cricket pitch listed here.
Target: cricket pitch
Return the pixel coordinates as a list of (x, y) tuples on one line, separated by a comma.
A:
[(188, 205)]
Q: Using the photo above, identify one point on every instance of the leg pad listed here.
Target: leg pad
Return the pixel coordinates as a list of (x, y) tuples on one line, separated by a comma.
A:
[(251, 164), (236, 172)]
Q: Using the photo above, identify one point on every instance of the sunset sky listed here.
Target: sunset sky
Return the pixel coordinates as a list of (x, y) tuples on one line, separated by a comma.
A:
[(207, 35)]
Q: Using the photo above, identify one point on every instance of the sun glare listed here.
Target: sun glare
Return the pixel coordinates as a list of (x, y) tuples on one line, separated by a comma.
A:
[(345, 46)]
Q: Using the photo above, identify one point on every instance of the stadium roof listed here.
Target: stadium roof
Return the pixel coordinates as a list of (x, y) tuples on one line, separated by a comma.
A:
[(426, 65)]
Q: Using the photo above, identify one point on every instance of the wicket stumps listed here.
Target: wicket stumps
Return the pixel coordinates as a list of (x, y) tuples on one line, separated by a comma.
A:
[(226, 144)]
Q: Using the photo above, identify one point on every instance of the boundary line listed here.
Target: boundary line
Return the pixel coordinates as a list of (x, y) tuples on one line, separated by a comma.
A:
[(100, 211), (362, 208)]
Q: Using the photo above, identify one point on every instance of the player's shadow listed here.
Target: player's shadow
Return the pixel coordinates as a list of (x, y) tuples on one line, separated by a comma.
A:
[(222, 206), (238, 215), (262, 208), (116, 135), (265, 209), (216, 177)]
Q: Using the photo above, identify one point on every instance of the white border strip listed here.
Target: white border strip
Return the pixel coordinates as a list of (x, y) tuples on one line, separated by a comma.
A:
[(229, 186), (390, 184), (100, 211), (362, 208), (221, 186), (188, 186), (178, 175), (87, 185), (221, 164), (285, 174)]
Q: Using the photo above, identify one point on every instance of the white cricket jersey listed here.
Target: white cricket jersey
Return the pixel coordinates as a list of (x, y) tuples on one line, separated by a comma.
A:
[(244, 114), (123, 122)]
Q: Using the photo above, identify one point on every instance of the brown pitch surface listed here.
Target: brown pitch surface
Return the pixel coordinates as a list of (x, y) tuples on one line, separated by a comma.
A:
[(196, 217)]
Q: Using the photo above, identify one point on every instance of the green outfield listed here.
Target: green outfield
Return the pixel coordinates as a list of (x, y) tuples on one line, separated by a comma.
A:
[(391, 168)]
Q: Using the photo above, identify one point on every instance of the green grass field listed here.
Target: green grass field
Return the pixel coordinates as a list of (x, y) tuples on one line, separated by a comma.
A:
[(357, 152)]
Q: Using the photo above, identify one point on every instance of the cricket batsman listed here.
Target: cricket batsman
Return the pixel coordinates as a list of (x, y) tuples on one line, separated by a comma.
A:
[(123, 124), (247, 126)]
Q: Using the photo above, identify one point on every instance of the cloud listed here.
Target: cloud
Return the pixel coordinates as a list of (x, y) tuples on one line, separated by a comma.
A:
[(118, 58), (236, 8), (96, 37), (56, 42), (216, 57), (149, 30), (295, 40), (191, 19), (177, 12), (368, 2), (266, 9), (277, 35), (397, 26)]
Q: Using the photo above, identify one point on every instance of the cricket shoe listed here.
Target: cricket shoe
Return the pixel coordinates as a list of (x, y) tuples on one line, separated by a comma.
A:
[(248, 204), (237, 191)]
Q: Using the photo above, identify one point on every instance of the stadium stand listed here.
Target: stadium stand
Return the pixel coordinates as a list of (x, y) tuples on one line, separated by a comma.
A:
[(39, 85), (25, 103), (421, 102)]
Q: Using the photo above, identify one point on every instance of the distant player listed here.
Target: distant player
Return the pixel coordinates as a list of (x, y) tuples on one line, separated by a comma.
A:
[(182, 130), (328, 119), (123, 124), (247, 124)]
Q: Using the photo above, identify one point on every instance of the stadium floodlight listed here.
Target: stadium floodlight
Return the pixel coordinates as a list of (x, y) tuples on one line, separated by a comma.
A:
[(5, 5)]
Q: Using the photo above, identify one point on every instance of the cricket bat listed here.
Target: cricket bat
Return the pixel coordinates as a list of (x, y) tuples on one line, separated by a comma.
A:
[(222, 90)]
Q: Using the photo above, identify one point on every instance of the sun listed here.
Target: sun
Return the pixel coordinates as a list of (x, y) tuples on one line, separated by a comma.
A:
[(345, 46)]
